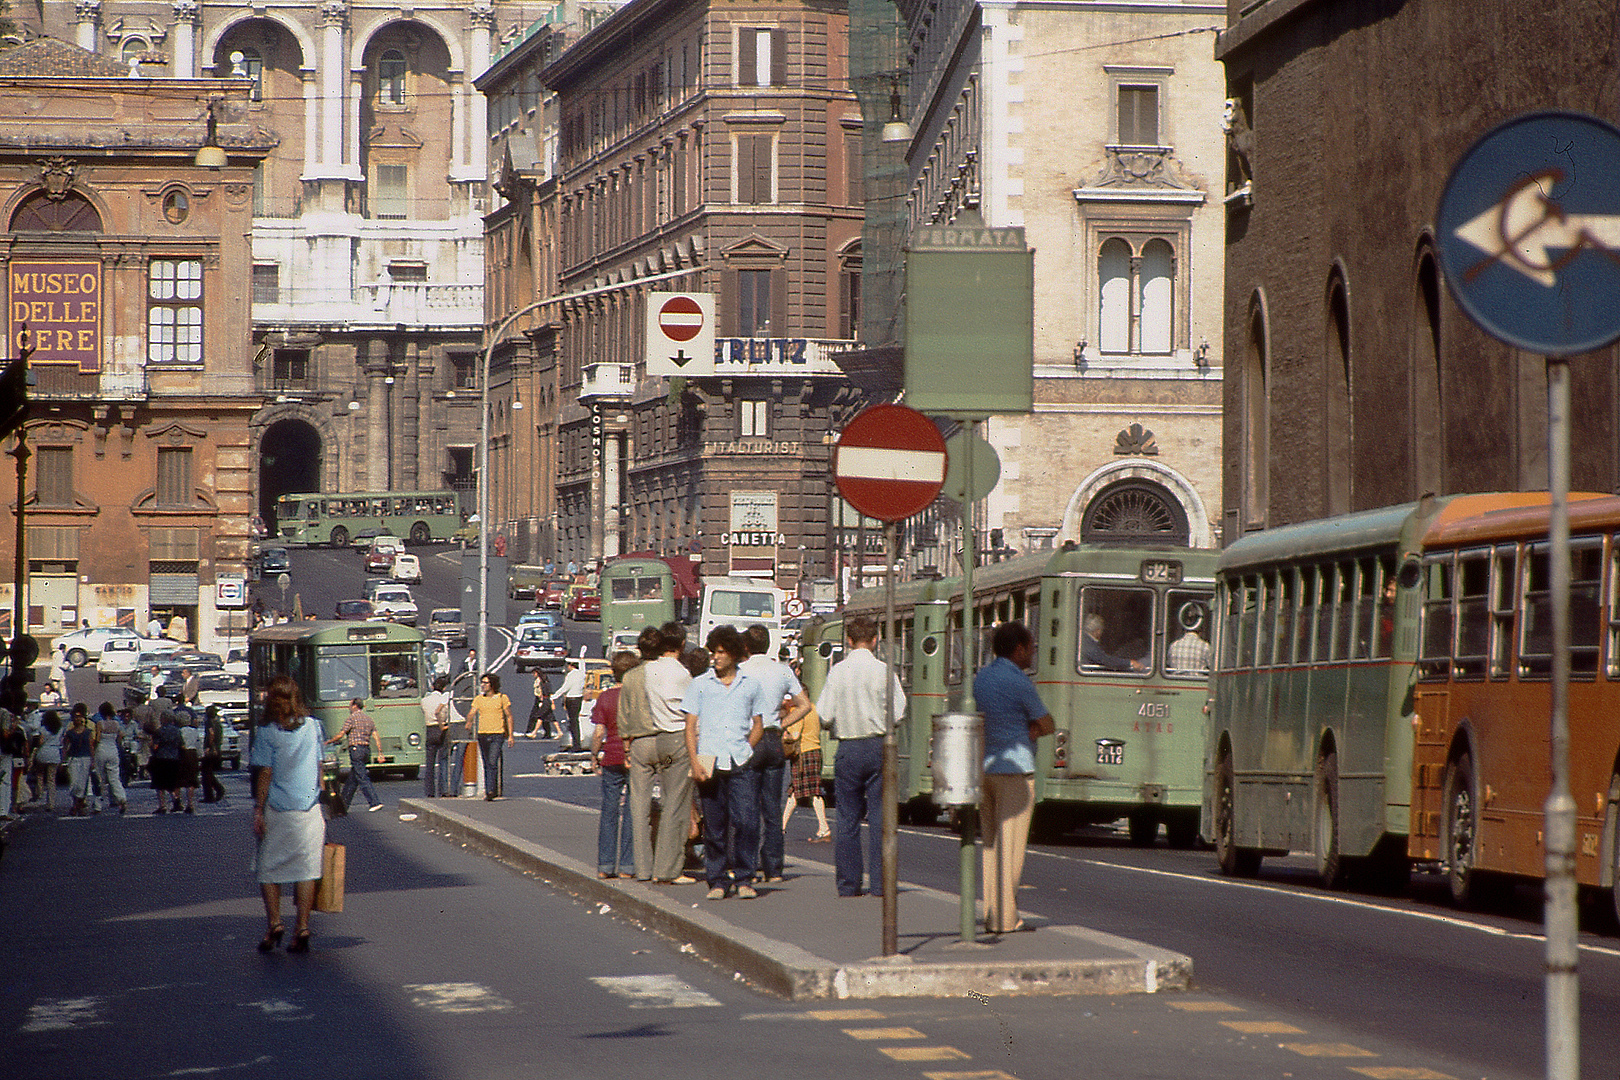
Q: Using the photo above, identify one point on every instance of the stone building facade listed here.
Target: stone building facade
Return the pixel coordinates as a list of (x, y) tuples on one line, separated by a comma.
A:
[(1356, 380), (128, 265)]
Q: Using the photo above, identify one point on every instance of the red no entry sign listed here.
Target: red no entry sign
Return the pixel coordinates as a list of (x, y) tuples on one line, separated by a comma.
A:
[(681, 319), (889, 462)]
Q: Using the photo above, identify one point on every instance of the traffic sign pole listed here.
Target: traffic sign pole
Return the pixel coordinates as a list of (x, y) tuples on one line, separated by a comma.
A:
[(1563, 982)]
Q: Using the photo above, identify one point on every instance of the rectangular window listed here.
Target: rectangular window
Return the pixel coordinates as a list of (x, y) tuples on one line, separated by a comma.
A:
[(1116, 630), (1435, 662), (752, 419), (266, 283), (854, 171), (408, 272), (1305, 623), (391, 198), (849, 303), (761, 57), (1139, 116), (1187, 630), (754, 303), (463, 371), (53, 471), (1473, 614), (290, 369), (753, 169), (1535, 639), (174, 476), (174, 311)]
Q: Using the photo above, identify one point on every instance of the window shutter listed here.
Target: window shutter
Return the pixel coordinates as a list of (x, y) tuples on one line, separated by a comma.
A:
[(778, 57), (729, 300), (747, 54), (762, 168), (779, 303)]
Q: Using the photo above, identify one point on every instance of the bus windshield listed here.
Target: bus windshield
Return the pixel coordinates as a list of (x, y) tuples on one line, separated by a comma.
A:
[(345, 672), (727, 603)]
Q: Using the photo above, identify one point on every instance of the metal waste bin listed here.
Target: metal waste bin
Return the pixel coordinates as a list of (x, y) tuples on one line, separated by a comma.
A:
[(958, 759)]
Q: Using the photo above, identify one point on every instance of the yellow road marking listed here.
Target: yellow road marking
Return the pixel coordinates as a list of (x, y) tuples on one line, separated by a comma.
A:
[(1328, 1050), (925, 1053), (1262, 1027), (1204, 1006), (844, 1014), (1396, 1072), (884, 1033), (989, 1074)]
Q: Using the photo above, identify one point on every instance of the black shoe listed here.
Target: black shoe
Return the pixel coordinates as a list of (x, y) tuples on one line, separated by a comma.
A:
[(300, 944), (271, 939)]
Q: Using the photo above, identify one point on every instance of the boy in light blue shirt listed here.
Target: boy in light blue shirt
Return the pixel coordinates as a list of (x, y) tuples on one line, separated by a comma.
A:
[(724, 721)]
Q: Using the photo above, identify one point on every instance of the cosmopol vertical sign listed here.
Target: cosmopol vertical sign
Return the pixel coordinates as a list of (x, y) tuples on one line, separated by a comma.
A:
[(59, 302)]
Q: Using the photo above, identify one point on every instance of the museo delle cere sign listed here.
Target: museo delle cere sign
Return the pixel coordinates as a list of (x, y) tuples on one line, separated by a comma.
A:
[(59, 302)]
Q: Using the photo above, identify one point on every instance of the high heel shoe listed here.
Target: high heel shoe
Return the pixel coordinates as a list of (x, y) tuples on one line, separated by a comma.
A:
[(300, 942), (272, 938)]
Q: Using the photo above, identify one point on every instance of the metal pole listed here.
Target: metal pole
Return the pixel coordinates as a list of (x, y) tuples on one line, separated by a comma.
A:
[(967, 851), (891, 780), (1563, 986), (19, 624)]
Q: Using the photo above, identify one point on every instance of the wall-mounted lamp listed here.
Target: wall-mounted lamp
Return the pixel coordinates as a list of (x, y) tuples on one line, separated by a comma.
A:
[(209, 155), (1201, 354), (1080, 355), (354, 406), (517, 403), (896, 130)]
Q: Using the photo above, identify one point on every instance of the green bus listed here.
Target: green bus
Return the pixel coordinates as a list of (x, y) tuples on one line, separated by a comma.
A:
[(333, 663), (420, 517), (636, 593), (1128, 707)]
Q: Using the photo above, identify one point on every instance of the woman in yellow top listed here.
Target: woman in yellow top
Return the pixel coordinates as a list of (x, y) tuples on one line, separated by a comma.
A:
[(489, 717), (802, 743)]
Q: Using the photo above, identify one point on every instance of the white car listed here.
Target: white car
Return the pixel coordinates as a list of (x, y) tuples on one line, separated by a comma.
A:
[(407, 568), (394, 603), (82, 646), (120, 657), (437, 654)]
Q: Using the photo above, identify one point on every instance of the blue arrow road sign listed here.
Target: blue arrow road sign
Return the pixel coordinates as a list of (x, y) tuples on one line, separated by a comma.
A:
[(1529, 233)]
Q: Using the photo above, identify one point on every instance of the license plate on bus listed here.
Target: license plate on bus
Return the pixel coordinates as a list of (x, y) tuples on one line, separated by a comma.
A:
[(1110, 751)]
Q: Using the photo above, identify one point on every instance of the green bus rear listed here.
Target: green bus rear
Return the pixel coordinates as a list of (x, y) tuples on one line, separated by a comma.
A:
[(636, 593), (333, 663)]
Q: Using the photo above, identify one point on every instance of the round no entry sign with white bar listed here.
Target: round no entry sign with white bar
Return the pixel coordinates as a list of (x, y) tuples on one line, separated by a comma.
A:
[(889, 462)]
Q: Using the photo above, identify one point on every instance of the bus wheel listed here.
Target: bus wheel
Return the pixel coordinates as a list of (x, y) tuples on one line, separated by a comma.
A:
[(1144, 828), (1457, 839), (1329, 862), (421, 534), (340, 537), (1234, 861), (1181, 830)]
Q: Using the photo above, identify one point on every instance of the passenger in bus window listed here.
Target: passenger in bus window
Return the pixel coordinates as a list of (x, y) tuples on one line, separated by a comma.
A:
[(1092, 653), (1189, 653)]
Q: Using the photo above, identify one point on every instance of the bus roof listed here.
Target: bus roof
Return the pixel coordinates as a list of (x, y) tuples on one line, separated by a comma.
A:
[(1330, 536), (1515, 515), (332, 630)]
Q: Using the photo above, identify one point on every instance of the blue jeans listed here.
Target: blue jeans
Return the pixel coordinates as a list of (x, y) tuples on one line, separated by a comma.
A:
[(730, 800), (858, 787), (772, 768), (436, 765), (613, 832), (493, 749), (359, 777)]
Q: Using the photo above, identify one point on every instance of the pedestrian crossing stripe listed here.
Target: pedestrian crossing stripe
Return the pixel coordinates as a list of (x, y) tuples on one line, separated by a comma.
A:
[(1262, 1027), (987, 1074), (868, 1034), (1396, 1072), (1204, 1006), (655, 991), (924, 1053), (64, 1014), (1343, 1050), (456, 998), (845, 1015)]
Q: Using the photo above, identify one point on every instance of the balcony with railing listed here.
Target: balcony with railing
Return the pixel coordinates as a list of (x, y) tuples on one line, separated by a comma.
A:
[(394, 303), (65, 382)]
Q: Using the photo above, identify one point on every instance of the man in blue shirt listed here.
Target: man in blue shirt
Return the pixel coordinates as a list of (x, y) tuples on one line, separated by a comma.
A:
[(724, 722), (1014, 718), (782, 687)]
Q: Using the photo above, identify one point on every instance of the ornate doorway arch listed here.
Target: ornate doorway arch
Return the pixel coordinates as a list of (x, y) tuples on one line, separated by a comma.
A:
[(1138, 502)]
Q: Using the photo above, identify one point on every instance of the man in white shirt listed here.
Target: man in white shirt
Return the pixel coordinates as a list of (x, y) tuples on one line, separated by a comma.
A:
[(661, 756), (783, 690), (571, 695), (851, 706)]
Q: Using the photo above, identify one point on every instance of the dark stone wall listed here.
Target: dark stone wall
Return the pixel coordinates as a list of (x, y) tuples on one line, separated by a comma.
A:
[(1360, 110)]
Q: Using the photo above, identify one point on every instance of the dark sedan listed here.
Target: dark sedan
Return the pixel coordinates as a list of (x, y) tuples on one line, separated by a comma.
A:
[(355, 611)]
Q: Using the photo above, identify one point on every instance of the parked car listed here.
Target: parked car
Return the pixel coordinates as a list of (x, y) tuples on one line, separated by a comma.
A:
[(553, 595), (445, 624), (82, 646), (406, 568), (355, 611), (540, 647), (586, 604), (273, 561), (118, 658), (395, 603)]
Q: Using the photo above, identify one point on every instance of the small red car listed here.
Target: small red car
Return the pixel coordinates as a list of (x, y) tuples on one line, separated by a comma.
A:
[(551, 596), (585, 605)]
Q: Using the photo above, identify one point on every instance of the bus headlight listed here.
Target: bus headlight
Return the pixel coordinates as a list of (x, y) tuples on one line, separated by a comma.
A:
[(414, 739)]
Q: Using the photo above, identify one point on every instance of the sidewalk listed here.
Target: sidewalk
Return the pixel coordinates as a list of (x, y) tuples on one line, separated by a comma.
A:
[(800, 940)]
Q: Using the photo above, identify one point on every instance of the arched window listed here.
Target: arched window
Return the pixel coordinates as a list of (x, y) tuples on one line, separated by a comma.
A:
[(1158, 277), (1135, 511), (41, 213), (1340, 436), (130, 52), (1428, 414), (391, 78), (1256, 423), (1114, 292)]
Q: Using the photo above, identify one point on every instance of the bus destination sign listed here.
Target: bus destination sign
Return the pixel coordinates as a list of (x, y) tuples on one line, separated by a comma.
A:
[(1161, 572)]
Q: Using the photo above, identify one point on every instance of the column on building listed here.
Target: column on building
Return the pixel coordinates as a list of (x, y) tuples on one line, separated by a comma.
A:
[(334, 19), (374, 363), (187, 22), (86, 16), (411, 422), (482, 20)]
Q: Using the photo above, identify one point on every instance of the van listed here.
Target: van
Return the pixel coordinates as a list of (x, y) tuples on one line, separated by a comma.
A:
[(524, 582)]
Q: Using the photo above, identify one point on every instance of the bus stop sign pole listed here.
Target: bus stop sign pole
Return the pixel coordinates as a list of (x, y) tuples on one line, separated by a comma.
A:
[(1523, 228)]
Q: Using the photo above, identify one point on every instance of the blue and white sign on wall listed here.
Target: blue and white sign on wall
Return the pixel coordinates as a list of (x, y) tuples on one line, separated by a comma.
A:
[(1529, 233)]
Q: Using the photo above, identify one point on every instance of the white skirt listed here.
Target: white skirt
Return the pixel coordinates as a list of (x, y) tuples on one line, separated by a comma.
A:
[(291, 848)]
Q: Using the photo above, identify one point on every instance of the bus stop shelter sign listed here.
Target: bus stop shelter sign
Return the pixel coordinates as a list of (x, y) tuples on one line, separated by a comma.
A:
[(1529, 233)]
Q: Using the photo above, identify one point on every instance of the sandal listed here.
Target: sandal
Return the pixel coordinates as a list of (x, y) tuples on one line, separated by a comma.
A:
[(300, 942), (820, 838), (272, 938)]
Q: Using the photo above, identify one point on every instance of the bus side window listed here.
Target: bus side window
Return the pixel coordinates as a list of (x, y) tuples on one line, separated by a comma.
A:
[(1435, 662), (1248, 601), (1388, 590), (1585, 585), (1327, 585), (1535, 624), (1366, 607), (1502, 565), (1263, 656), (1344, 610), (1305, 622), (1473, 618)]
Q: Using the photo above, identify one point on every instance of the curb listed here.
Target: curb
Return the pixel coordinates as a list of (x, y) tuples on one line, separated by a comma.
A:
[(788, 971)]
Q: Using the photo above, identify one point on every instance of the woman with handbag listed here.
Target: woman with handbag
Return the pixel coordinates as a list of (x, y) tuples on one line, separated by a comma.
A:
[(286, 809), (490, 718)]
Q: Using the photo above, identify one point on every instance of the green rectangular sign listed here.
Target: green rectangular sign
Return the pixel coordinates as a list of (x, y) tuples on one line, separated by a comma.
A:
[(970, 322)]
